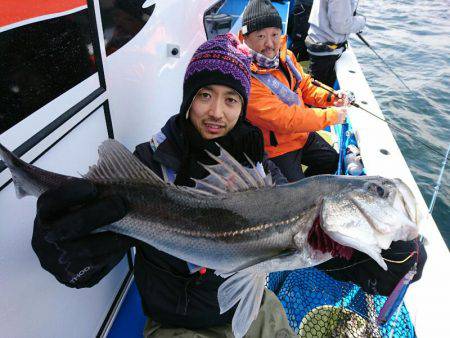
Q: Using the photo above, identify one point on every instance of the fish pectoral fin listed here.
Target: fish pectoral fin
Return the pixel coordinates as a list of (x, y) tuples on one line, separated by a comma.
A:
[(247, 286), (117, 164), (247, 289)]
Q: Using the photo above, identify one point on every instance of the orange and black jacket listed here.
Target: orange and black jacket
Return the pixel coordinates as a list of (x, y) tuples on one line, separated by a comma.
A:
[(286, 128)]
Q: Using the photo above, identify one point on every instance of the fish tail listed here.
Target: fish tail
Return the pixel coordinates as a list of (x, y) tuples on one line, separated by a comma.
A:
[(28, 179), (13, 162), (7, 156)]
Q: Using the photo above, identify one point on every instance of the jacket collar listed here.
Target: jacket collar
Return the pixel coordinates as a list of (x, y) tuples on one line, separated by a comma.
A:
[(170, 152)]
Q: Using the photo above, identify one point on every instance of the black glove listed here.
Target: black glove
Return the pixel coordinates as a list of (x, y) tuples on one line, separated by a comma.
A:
[(62, 237), (365, 272)]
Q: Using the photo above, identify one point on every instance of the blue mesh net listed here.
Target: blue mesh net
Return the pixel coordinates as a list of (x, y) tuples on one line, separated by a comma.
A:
[(318, 306)]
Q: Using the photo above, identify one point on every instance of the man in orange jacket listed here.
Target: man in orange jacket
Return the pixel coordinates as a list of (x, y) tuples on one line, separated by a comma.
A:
[(280, 96)]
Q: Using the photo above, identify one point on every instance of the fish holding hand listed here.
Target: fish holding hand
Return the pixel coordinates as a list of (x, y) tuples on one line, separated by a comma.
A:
[(237, 222)]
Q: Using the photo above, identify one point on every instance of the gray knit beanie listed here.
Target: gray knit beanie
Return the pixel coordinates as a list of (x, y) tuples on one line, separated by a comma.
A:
[(260, 14)]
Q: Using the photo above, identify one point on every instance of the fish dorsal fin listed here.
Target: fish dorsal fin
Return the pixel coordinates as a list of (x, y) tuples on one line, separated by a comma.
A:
[(117, 164), (228, 175)]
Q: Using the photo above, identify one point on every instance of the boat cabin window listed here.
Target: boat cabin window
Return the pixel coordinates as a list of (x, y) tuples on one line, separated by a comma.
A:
[(122, 20), (42, 59)]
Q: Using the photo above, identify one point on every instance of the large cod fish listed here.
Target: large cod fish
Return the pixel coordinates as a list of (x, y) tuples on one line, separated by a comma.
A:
[(238, 223)]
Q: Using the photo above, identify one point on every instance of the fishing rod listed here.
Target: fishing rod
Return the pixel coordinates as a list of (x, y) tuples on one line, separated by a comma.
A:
[(415, 94), (384, 62), (357, 105), (359, 35), (438, 183)]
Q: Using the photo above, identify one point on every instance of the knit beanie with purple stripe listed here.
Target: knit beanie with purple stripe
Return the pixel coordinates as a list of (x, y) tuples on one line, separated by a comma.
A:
[(219, 61)]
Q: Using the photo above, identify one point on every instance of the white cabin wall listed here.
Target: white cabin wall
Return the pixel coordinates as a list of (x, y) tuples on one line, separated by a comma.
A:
[(144, 82), (33, 303)]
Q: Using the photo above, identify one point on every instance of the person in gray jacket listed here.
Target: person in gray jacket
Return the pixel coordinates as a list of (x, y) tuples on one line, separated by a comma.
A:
[(331, 22)]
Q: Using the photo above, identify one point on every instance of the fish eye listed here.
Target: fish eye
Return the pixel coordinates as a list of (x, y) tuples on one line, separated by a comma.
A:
[(375, 188)]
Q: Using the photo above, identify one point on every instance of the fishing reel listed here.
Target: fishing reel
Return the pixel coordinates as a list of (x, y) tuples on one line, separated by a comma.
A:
[(350, 96)]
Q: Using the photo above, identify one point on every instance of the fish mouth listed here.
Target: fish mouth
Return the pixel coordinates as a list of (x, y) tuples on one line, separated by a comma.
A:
[(319, 240)]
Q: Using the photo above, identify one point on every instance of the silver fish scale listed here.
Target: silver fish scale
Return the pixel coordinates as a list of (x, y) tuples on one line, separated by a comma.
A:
[(213, 253), (225, 216), (219, 232), (227, 231)]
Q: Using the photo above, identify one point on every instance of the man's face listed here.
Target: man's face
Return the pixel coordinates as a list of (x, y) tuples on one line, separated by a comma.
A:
[(265, 41), (215, 111)]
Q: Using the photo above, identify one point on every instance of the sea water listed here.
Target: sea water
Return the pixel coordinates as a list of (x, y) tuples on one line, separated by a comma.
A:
[(413, 37)]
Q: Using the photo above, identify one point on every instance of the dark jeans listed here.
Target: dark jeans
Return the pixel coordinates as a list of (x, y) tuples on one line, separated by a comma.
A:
[(322, 68), (299, 31), (317, 154)]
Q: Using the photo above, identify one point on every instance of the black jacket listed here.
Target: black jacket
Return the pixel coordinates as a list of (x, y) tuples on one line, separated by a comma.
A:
[(171, 295)]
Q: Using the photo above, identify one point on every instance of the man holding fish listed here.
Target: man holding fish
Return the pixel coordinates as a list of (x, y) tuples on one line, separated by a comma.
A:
[(178, 297), (233, 219)]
